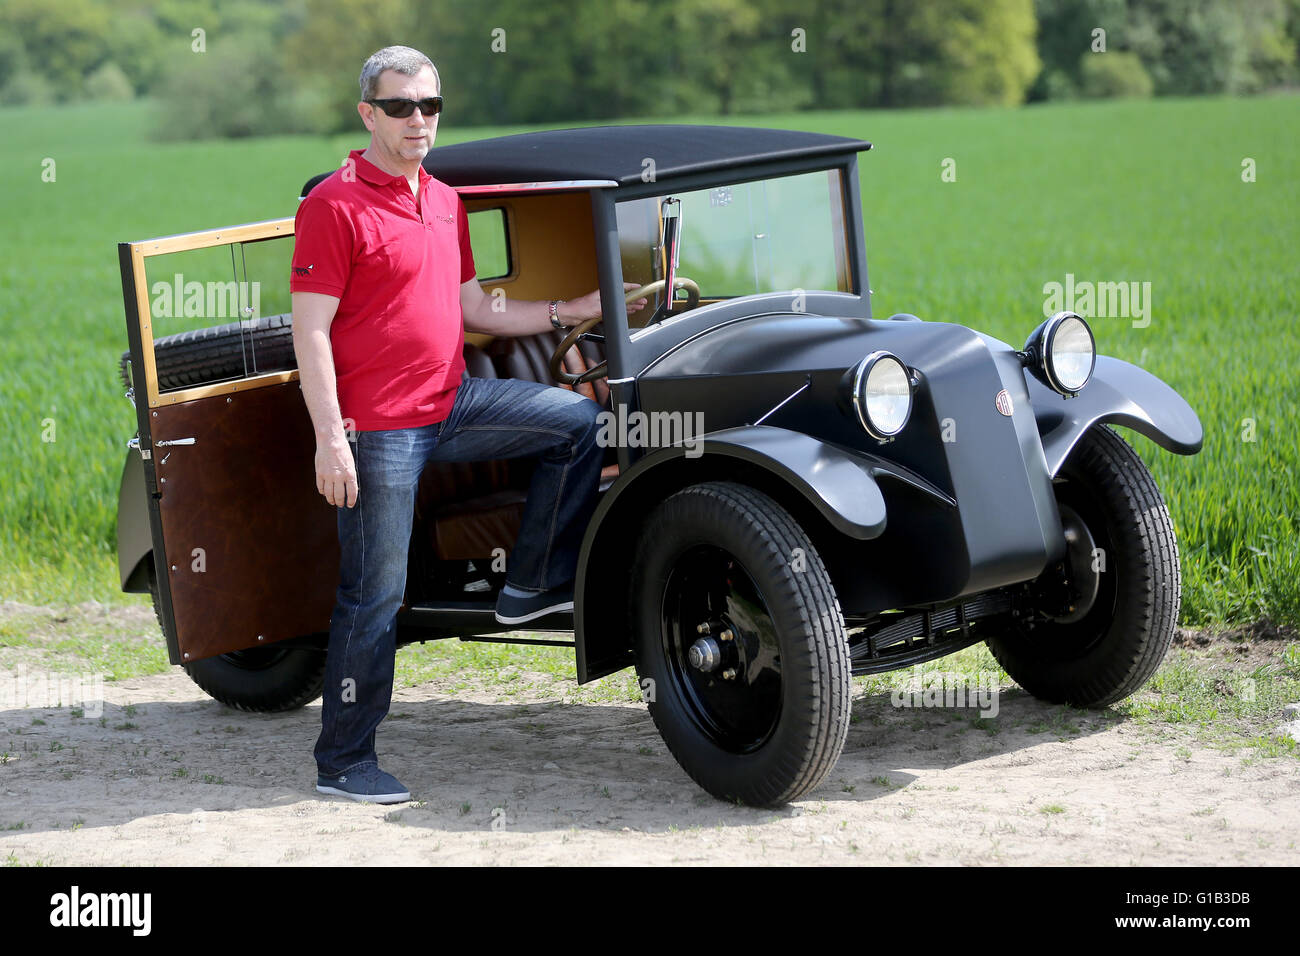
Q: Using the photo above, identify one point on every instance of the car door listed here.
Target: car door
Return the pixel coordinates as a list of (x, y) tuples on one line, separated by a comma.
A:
[(245, 549)]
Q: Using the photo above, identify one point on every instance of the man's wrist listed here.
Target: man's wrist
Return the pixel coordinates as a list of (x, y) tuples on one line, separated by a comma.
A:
[(553, 309), (331, 434)]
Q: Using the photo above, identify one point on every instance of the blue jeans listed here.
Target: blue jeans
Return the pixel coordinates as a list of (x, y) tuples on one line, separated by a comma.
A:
[(491, 418)]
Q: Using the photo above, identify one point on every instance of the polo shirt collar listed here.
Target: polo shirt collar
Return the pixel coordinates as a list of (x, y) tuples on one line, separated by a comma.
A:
[(373, 174)]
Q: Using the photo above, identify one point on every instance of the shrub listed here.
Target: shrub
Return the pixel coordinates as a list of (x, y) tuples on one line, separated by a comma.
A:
[(26, 88), (109, 83), (1113, 74), (237, 88)]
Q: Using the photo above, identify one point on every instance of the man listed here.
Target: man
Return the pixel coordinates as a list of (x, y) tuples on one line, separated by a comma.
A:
[(383, 289)]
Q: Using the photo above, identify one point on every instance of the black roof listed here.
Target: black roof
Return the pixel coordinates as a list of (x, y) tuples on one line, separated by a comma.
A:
[(618, 153)]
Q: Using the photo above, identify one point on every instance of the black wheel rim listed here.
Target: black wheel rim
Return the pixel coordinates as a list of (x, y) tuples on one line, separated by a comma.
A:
[(740, 712)]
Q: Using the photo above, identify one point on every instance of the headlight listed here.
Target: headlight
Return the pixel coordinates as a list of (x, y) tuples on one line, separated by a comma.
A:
[(1062, 353), (879, 392)]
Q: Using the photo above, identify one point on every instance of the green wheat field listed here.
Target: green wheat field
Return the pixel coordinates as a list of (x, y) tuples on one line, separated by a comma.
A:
[(1118, 191)]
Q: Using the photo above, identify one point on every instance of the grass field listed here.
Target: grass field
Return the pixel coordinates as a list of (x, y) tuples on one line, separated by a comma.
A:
[(1133, 191)]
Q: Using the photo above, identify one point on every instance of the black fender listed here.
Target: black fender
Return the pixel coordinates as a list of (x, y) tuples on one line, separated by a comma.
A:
[(840, 483), (134, 537), (1118, 393)]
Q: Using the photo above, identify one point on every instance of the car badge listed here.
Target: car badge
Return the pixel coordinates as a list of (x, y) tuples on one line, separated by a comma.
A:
[(1003, 403)]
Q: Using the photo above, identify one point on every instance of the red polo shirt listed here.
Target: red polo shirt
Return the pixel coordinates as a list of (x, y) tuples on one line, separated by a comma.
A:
[(396, 266)]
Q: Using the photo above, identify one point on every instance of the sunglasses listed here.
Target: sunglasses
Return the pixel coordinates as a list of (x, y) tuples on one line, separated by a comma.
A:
[(400, 108)]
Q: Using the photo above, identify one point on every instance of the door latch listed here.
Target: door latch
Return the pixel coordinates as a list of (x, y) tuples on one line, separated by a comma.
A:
[(174, 441)]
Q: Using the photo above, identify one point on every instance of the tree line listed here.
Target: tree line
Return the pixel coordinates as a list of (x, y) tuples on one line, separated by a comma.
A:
[(243, 68)]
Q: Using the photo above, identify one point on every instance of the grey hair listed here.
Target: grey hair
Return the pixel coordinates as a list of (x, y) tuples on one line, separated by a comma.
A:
[(403, 59)]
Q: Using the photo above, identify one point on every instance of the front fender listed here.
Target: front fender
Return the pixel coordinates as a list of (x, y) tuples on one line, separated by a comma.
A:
[(840, 483), (1119, 393)]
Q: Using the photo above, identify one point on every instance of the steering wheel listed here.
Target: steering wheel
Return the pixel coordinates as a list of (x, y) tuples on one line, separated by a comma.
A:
[(600, 371)]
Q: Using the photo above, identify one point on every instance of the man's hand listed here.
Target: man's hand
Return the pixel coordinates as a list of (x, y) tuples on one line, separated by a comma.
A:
[(336, 472), (588, 307)]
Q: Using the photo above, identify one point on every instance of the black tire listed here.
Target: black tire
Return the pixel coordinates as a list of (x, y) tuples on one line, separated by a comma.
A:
[(773, 732), (221, 352), (260, 679), (1118, 644)]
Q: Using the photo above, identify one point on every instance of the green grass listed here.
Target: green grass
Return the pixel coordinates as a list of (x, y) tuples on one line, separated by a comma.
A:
[(1142, 191), (1224, 704), (82, 642)]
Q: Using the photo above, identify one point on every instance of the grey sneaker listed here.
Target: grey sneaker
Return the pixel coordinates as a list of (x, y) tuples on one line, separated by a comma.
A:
[(367, 784), (515, 607)]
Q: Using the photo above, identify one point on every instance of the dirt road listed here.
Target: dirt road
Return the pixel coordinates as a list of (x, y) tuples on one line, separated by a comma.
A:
[(170, 777)]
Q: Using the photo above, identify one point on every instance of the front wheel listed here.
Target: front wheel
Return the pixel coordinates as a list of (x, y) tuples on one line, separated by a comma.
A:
[(740, 644), (1099, 624)]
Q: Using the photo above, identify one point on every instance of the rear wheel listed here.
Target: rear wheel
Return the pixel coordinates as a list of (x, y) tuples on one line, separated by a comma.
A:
[(740, 644), (259, 679), (1101, 622)]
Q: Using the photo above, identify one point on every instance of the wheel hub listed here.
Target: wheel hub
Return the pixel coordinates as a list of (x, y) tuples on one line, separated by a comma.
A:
[(1080, 575), (715, 653), (705, 655), (717, 650)]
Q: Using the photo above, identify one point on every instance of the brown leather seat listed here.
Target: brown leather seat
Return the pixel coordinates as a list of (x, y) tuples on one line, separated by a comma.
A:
[(469, 509), (529, 358)]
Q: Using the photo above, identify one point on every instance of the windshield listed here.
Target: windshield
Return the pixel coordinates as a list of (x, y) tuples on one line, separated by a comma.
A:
[(767, 236)]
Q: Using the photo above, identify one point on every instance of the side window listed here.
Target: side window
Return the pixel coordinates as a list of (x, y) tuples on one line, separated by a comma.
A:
[(489, 237)]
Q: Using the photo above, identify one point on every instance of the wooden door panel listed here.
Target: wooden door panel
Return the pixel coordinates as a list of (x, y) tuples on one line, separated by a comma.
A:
[(252, 547)]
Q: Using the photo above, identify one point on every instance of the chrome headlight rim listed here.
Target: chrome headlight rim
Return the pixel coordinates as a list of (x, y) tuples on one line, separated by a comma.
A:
[(1044, 344), (861, 378)]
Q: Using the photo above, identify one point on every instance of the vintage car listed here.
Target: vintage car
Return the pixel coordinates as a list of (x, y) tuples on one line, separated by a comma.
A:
[(795, 491)]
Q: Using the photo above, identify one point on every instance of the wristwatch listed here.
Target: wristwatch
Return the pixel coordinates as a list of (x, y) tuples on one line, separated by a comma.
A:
[(555, 314)]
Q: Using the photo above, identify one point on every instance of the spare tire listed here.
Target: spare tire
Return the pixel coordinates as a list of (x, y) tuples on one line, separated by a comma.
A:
[(234, 350)]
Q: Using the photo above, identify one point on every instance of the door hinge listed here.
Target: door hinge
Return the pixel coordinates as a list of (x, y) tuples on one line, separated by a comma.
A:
[(133, 444)]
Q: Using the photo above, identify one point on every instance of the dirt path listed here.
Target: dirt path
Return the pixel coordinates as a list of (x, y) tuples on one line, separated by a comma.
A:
[(172, 777)]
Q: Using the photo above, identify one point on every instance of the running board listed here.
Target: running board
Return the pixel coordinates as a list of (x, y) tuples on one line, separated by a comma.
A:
[(474, 620), (479, 639)]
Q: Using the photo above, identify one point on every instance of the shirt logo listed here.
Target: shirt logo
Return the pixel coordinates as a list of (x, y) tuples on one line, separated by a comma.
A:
[(304, 272), (450, 219)]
